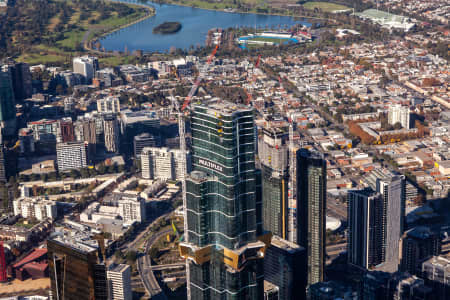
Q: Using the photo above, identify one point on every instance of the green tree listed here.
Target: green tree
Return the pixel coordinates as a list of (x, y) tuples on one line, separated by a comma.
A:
[(102, 169), (53, 176), (4, 196), (84, 173), (154, 252), (118, 254), (74, 173), (131, 256), (111, 169), (14, 186)]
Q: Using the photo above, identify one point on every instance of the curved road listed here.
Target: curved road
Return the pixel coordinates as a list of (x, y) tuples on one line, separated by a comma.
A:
[(145, 269)]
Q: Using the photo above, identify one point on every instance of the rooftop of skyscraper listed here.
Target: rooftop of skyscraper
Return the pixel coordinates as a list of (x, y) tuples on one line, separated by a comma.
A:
[(270, 288), (76, 242), (274, 131), (75, 236), (285, 244), (442, 262), (420, 232), (129, 116), (366, 192), (144, 136), (225, 107), (311, 154), (117, 267), (383, 173)]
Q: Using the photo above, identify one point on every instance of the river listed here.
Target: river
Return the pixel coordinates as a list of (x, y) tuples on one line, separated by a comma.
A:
[(196, 23)]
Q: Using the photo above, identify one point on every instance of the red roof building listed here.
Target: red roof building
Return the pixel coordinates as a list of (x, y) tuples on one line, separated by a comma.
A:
[(33, 265)]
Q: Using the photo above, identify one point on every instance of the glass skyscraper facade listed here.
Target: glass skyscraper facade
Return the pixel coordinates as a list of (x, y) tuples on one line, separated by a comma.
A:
[(275, 201), (75, 271), (365, 228), (311, 206), (7, 102), (273, 156), (393, 191), (223, 238), (284, 266)]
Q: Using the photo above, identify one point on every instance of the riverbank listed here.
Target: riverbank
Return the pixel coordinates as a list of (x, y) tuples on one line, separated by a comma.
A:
[(94, 37), (222, 7), (260, 8), (196, 24), (225, 8)]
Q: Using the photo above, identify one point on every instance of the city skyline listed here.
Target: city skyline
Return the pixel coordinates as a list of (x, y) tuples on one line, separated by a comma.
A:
[(227, 150)]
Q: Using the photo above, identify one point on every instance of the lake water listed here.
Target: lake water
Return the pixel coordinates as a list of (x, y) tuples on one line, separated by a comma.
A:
[(196, 23)]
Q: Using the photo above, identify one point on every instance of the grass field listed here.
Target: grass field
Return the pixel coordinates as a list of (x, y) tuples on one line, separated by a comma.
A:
[(117, 60), (224, 4), (74, 32), (324, 6), (45, 58), (265, 39), (254, 6)]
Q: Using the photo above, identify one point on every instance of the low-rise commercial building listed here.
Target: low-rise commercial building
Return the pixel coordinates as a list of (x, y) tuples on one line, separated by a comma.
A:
[(163, 163), (129, 207), (108, 105), (41, 209)]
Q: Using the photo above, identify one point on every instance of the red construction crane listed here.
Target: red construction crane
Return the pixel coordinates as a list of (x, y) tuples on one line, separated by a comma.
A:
[(249, 96), (199, 79), (257, 61), (3, 277)]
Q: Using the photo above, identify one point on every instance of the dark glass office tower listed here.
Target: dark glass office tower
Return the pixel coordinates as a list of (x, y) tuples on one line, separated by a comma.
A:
[(223, 209), (284, 266), (418, 244), (311, 205), (7, 102), (365, 228), (21, 79)]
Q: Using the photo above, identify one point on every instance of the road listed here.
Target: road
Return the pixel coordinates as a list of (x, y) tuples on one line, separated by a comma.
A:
[(169, 266), (334, 251), (337, 248), (132, 244), (339, 209), (145, 267)]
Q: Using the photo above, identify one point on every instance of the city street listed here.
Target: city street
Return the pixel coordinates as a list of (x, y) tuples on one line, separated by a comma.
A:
[(145, 268)]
